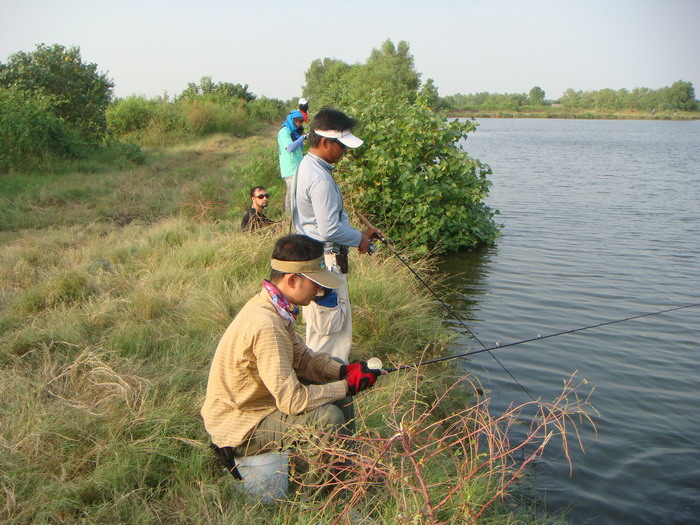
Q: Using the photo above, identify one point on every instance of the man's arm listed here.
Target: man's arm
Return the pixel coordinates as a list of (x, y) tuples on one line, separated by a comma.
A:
[(318, 367), (328, 210), (293, 145), (245, 221), (274, 352)]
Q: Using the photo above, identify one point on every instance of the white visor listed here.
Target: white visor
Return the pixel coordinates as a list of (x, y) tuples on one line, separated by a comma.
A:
[(346, 137)]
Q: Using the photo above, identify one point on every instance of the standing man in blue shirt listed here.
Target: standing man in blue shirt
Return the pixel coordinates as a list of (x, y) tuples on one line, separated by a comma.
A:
[(290, 141), (318, 213)]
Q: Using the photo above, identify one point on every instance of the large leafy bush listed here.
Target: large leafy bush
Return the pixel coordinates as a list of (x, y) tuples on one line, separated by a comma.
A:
[(415, 180), (74, 90), (31, 135)]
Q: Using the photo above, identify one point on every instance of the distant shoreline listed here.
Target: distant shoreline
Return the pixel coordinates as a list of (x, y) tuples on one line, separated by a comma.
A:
[(588, 115)]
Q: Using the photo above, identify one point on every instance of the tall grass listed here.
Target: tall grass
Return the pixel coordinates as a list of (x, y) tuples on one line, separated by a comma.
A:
[(206, 181), (107, 330), (157, 122)]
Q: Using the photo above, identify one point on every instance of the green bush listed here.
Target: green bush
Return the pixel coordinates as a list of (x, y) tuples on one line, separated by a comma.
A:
[(155, 121), (415, 179), (31, 134), (75, 91), (265, 109), (219, 92), (129, 115), (205, 116)]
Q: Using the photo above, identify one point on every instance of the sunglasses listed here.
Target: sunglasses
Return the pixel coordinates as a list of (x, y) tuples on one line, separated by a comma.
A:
[(263, 196), (343, 146)]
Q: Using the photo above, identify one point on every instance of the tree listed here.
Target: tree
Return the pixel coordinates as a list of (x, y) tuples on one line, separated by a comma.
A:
[(389, 71), (429, 92), (392, 69), (536, 96), (221, 92), (75, 91), (326, 82), (680, 96)]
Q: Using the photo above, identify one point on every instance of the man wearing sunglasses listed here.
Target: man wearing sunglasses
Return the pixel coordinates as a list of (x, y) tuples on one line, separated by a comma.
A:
[(318, 213), (255, 218)]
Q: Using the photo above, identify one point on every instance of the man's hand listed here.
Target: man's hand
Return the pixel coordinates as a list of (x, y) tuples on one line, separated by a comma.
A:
[(358, 376), (367, 235)]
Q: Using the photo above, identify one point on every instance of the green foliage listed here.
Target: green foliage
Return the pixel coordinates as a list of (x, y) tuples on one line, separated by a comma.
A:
[(429, 93), (326, 83), (203, 117), (32, 136), (389, 70), (75, 91), (413, 176), (536, 96), (199, 110), (679, 97), (486, 101), (158, 121), (131, 114), (265, 109), (220, 92), (392, 67)]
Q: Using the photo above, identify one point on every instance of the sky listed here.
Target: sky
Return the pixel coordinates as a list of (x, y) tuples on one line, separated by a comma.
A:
[(150, 47)]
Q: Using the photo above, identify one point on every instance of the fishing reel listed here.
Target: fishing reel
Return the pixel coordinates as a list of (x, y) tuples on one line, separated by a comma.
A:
[(374, 363)]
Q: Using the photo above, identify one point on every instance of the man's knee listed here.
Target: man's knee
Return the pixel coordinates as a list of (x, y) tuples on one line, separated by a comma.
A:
[(330, 417)]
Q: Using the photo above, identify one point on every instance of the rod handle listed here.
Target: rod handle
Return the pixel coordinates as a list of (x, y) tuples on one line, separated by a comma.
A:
[(364, 221)]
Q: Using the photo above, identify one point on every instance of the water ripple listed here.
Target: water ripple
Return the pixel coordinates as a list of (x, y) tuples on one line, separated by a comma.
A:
[(602, 222)]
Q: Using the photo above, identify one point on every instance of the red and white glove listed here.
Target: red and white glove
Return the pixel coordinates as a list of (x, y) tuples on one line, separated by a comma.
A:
[(358, 376)]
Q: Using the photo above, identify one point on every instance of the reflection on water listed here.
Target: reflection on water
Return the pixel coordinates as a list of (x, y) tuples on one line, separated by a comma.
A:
[(602, 222), (468, 276)]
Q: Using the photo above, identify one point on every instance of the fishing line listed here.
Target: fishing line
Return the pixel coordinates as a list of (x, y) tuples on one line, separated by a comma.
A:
[(385, 242), (539, 338)]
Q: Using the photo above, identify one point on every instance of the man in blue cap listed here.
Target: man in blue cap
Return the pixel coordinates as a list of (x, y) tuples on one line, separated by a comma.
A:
[(290, 141)]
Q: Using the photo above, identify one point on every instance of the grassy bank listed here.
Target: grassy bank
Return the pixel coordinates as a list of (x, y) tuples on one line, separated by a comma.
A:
[(116, 286)]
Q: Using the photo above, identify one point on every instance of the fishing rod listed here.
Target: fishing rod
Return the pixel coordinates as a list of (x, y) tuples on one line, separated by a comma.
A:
[(538, 338), (385, 242)]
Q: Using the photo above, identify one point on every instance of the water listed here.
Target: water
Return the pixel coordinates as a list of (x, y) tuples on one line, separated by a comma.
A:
[(602, 222)]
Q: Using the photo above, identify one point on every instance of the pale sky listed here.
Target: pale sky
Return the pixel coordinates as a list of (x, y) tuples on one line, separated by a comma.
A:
[(502, 46)]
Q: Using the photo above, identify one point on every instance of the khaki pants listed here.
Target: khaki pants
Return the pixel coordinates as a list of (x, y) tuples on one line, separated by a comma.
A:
[(289, 181), (276, 432), (329, 330)]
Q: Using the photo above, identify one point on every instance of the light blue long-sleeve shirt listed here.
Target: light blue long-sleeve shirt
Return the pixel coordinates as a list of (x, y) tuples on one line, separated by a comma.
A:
[(318, 210)]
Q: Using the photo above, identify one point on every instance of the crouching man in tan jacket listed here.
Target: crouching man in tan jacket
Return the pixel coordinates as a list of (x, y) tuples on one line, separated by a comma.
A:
[(264, 381)]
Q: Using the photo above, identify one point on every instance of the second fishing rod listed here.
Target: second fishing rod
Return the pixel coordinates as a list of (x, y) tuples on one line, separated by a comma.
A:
[(449, 310)]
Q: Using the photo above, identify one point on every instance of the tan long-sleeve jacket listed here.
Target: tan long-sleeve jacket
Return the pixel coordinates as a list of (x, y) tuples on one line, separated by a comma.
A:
[(256, 369)]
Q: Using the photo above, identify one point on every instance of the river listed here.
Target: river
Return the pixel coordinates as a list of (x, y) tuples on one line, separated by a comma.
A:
[(602, 222)]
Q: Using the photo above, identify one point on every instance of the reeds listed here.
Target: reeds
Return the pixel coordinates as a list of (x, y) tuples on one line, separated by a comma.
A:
[(431, 460)]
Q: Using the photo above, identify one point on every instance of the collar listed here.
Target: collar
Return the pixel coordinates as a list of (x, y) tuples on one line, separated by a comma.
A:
[(284, 309), (327, 165)]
